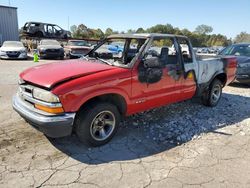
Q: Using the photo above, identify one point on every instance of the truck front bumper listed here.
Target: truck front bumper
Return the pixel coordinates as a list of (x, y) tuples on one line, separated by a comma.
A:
[(53, 125)]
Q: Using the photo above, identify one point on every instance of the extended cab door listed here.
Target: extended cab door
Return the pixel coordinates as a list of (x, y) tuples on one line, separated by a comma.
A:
[(186, 85), (155, 85)]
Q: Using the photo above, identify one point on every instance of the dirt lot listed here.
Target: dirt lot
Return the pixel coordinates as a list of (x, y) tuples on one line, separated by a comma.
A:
[(181, 145)]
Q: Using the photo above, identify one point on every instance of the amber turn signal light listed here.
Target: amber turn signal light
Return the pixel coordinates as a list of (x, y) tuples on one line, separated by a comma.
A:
[(56, 110)]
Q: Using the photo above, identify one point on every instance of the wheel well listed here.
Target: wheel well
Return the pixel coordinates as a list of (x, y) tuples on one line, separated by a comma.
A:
[(114, 99), (222, 77), (38, 34)]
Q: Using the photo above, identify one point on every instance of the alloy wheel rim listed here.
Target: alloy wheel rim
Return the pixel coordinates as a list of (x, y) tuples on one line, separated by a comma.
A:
[(216, 94), (102, 125)]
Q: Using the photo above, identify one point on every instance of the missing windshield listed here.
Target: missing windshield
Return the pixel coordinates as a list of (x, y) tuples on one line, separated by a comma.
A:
[(117, 51)]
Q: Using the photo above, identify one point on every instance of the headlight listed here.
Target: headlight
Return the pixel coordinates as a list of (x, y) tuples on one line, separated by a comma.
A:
[(44, 95), (42, 49), (243, 65), (23, 51)]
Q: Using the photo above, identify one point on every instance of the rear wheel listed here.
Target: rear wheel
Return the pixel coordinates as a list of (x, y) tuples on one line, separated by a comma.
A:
[(213, 95), (96, 125)]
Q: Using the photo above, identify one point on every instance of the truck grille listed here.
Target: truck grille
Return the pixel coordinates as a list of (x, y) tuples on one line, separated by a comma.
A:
[(80, 51), (25, 93)]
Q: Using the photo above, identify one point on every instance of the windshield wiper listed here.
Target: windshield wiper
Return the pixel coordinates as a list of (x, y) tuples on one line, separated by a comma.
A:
[(84, 57), (108, 63)]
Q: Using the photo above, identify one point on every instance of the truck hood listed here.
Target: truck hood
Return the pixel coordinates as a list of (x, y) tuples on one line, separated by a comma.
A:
[(49, 75)]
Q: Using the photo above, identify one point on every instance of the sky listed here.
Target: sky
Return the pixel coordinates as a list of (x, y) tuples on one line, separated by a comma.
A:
[(227, 17)]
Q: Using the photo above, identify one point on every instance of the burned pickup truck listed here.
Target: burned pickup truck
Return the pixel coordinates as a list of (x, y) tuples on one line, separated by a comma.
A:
[(89, 96)]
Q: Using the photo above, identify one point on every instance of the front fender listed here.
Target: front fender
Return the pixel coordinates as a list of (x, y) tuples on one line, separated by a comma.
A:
[(73, 103)]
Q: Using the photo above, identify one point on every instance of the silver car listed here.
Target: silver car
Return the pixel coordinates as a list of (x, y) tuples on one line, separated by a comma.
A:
[(13, 50)]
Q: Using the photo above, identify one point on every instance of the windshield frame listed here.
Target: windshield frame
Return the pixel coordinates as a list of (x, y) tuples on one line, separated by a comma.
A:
[(133, 61)]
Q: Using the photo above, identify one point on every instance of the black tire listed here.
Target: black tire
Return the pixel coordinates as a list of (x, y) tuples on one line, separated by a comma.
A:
[(90, 123), (213, 95)]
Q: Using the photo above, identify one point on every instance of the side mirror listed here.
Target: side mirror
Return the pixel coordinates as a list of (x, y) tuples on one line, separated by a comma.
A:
[(150, 70), (152, 62)]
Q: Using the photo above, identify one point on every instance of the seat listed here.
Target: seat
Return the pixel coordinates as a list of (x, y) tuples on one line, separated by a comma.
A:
[(164, 55)]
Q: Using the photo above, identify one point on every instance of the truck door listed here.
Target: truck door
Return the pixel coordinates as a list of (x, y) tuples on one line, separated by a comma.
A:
[(155, 85), (187, 82)]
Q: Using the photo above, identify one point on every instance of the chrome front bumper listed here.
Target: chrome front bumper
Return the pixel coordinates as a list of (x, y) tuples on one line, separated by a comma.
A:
[(51, 125)]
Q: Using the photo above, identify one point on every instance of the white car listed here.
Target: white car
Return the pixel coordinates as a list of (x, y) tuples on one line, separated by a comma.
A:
[(184, 49), (13, 50)]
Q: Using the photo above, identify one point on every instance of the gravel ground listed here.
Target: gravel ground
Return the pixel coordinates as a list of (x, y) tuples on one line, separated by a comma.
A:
[(180, 145)]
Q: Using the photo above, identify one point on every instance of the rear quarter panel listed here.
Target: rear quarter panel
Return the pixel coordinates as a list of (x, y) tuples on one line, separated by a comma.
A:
[(208, 68)]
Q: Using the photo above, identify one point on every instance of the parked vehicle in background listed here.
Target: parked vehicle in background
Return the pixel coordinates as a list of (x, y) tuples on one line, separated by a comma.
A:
[(13, 50), (184, 49), (212, 50), (204, 51), (116, 47), (91, 95), (46, 30), (76, 48), (220, 50), (48, 48), (242, 53)]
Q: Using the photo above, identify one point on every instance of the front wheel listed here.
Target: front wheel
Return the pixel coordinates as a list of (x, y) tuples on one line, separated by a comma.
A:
[(96, 125), (213, 95)]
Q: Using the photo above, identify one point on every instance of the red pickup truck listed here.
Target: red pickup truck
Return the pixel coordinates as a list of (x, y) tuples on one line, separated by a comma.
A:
[(89, 96)]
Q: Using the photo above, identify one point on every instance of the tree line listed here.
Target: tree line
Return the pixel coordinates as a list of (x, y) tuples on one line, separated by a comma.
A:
[(200, 37)]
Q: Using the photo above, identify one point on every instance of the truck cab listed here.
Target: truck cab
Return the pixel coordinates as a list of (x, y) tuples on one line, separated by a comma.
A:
[(89, 96)]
